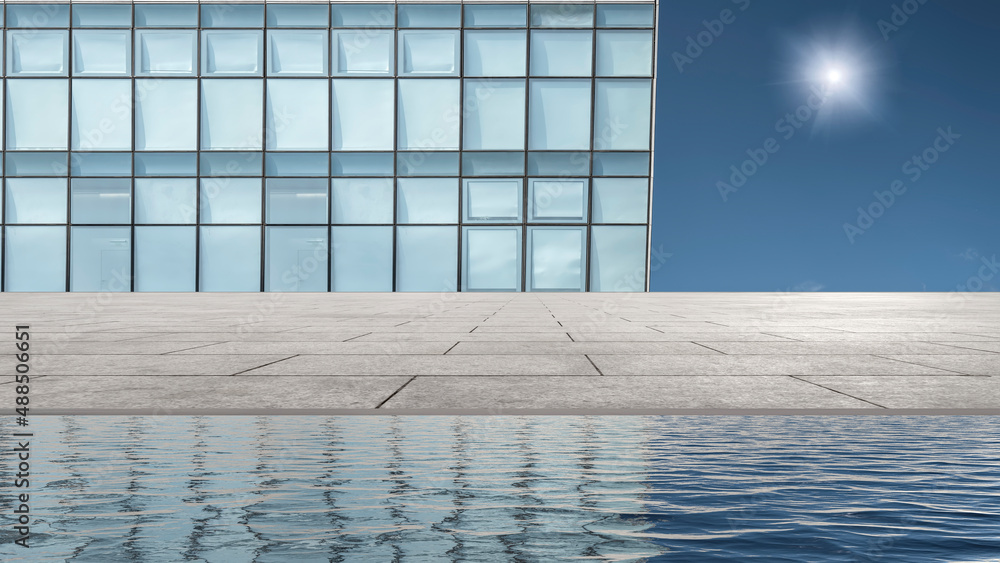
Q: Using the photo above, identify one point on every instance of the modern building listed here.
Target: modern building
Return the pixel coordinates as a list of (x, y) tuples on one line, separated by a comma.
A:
[(290, 146)]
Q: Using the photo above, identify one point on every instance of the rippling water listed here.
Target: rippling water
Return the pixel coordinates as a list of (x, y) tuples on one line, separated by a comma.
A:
[(498, 488)]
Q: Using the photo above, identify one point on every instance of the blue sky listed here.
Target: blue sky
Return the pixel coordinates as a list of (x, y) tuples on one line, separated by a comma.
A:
[(915, 80)]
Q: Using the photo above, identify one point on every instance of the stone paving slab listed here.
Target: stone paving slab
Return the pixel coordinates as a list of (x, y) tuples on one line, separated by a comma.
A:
[(402, 364), (759, 364), (923, 392)]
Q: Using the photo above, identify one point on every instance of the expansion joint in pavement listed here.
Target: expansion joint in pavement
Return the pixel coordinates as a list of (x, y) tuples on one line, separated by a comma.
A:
[(386, 400), (836, 391), (265, 365)]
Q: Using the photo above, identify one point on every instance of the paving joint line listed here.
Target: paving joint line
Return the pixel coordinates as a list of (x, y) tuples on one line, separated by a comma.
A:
[(797, 378), (358, 336), (450, 349), (779, 336), (921, 365), (709, 347), (599, 372), (264, 365), (570, 337), (386, 400), (184, 349), (981, 352)]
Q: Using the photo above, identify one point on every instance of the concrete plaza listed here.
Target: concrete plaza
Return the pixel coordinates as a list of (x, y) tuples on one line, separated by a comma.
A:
[(506, 353)]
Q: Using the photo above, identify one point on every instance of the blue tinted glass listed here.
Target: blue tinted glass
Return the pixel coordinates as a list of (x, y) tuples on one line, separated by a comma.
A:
[(624, 53), (493, 163), (361, 164), (557, 200), (100, 164), (491, 259), (494, 115), (361, 200), (35, 163), (164, 258), (362, 52), (229, 259), (625, 15), (230, 200), (426, 258), (101, 114), (556, 258), (427, 200), (298, 114), (231, 52), (35, 258), (491, 201), (298, 15), (621, 164), (166, 164), (427, 163), (297, 201), (620, 200), (166, 15), (495, 53), (363, 15), (297, 163), (430, 15), (622, 115), (428, 52), (100, 200), (231, 164), (33, 122), (428, 114), (495, 15), (102, 53), (363, 115), (165, 52), (296, 259), (561, 53), (297, 52), (100, 259), (562, 15), (102, 15), (35, 200), (361, 259), (38, 15), (618, 258), (231, 112), (38, 53), (559, 115), (232, 15), (165, 200), (166, 114), (558, 163)]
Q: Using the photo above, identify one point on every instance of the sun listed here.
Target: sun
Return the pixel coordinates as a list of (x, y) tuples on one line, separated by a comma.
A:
[(834, 76)]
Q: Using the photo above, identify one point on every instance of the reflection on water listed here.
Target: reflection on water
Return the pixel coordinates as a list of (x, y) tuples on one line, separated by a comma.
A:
[(372, 488)]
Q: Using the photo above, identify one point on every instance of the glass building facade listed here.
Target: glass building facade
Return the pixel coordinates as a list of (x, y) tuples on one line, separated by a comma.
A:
[(294, 146)]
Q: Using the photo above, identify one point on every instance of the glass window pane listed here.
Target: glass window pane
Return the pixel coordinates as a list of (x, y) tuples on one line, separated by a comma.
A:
[(100, 164), (164, 52), (557, 201), (230, 200), (362, 114), (426, 258), (165, 200), (428, 52), (232, 15), (38, 15), (297, 164), (620, 200), (102, 114), (166, 15), (35, 259), (35, 163), (231, 112), (556, 258), (231, 164), (100, 259), (297, 52), (36, 52), (297, 201), (298, 114), (559, 163), (34, 119), (492, 201), (102, 15), (363, 15), (361, 259), (297, 15), (164, 258), (420, 163), (621, 119), (624, 53), (428, 114), (618, 258), (236, 53), (494, 115), (625, 15), (296, 259), (100, 201), (229, 259), (166, 115), (561, 53), (495, 15), (493, 164), (427, 200), (166, 164), (36, 200), (362, 201), (492, 259), (361, 164), (101, 53), (362, 52), (495, 52), (621, 164), (562, 15), (559, 115), (430, 15)]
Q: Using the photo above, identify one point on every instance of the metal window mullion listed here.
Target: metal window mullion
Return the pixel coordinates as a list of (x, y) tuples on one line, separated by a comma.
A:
[(652, 128), (395, 137), (590, 156), (461, 136), (524, 154)]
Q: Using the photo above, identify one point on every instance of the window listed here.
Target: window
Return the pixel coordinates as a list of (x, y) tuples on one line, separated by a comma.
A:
[(35, 118), (296, 259), (230, 200), (421, 163), (297, 114), (624, 53), (35, 200), (562, 15), (557, 201), (361, 259), (164, 258), (492, 201), (430, 15), (297, 53), (495, 52), (100, 200), (102, 53), (166, 15), (428, 52), (165, 200), (561, 53), (494, 115), (618, 258), (297, 201), (227, 52), (363, 15), (493, 164), (166, 164), (495, 15), (428, 114), (625, 15), (620, 200), (100, 259), (38, 15), (297, 15), (102, 15), (362, 114), (35, 258), (165, 53), (559, 115), (231, 111), (427, 200), (229, 259), (362, 52), (37, 52), (102, 114), (166, 115), (492, 259), (426, 258), (362, 201), (621, 119), (556, 258), (231, 15)]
